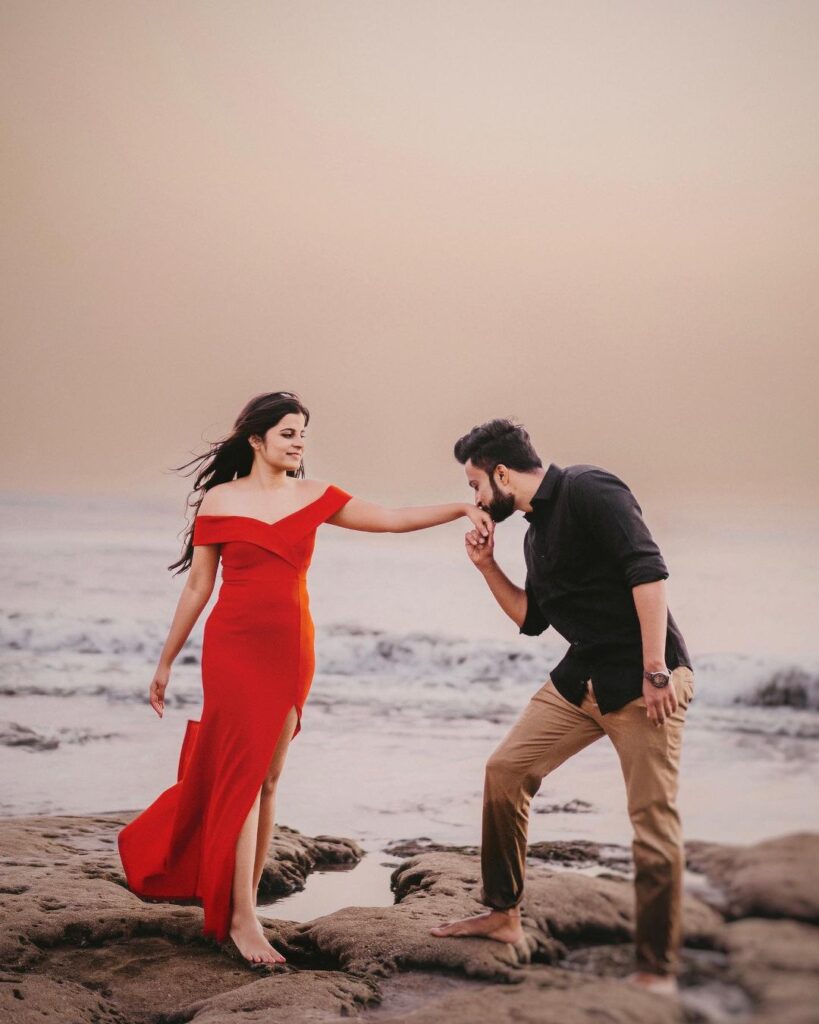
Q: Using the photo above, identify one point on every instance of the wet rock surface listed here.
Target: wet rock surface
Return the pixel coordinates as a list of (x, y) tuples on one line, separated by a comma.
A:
[(411, 847), (575, 806), (583, 853), (542, 996), (76, 945), (775, 878)]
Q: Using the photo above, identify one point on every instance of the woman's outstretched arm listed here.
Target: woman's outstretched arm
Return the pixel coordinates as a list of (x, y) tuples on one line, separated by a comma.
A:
[(364, 515), (195, 595)]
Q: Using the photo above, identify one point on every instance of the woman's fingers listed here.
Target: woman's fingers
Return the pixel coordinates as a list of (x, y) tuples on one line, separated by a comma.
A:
[(481, 521), (156, 696)]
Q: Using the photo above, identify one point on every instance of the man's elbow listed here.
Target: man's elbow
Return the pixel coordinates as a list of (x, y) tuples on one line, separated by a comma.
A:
[(648, 594), (529, 625), (638, 574)]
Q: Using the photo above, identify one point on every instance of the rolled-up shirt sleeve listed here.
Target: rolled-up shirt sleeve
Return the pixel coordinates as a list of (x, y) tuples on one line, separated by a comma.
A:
[(535, 621), (615, 520)]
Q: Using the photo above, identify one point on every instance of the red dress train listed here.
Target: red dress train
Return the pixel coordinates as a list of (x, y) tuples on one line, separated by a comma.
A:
[(257, 663)]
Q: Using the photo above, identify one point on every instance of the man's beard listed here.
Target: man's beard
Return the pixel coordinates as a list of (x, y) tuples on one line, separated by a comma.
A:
[(501, 506)]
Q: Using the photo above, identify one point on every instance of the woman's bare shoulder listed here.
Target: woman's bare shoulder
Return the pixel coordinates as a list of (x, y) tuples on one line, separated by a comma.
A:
[(312, 488), (230, 498), (217, 500)]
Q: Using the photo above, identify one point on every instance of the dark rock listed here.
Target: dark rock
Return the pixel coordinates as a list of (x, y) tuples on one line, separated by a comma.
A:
[(377, 942), (777, 963), (14, 735), (412, 847), (582, 852), (559, 910), (30, 999), (775, 878), (544, 996), (76, 945), (282, 996), (293, 857), (572, 807)]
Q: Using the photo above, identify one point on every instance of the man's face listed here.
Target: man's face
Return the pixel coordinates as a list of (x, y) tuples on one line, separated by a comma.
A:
[(492, 498)]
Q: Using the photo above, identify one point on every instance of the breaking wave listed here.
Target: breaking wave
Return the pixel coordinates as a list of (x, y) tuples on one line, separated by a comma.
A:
[(425, 659)]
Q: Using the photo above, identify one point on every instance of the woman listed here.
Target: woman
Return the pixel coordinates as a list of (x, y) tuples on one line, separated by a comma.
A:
[(206, 838)]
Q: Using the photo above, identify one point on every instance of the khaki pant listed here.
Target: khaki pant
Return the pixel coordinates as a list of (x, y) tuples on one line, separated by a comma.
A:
[(552, 729)]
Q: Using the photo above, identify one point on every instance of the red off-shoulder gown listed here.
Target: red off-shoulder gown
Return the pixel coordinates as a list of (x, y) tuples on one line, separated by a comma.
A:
[(257, 663)]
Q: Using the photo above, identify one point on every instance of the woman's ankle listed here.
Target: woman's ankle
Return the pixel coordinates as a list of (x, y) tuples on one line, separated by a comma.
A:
[(243, 917)]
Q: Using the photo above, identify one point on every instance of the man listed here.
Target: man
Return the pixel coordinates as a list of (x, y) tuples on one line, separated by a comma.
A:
[(595, 574)]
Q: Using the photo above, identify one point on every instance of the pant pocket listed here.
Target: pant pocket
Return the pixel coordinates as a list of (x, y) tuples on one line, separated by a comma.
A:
[(683, 679)]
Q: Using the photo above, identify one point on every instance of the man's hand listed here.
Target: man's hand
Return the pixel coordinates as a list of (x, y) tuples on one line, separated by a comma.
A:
[(481, 550), (512, 599), (660, 703)]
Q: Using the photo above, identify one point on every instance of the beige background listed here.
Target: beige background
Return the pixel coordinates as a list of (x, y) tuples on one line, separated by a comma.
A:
[(597, 217)]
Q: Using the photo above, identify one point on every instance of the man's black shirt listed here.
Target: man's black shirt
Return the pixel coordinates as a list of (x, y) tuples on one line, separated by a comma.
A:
[(587, 545)]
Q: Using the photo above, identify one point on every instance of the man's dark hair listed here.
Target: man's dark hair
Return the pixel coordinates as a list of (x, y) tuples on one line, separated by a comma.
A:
[(496, 442)]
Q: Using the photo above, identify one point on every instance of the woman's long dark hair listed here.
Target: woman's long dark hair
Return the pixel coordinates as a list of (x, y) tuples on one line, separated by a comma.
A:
[(232, 457)]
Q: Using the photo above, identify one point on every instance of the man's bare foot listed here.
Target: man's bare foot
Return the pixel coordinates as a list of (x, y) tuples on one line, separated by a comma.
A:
[(501, 925), (249, 937), (661, 984)]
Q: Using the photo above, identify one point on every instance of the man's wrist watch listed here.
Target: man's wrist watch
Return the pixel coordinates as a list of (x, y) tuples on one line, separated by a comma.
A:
[(658, 679)]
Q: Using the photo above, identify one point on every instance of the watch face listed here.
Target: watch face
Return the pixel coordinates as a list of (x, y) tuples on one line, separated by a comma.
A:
[(659, 679)]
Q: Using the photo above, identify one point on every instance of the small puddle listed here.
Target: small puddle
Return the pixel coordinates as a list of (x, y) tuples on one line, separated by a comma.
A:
[(717, 1002), (365, 885)]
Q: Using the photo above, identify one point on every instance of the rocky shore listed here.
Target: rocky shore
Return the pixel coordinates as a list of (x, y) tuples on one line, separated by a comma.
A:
[(77, 946)]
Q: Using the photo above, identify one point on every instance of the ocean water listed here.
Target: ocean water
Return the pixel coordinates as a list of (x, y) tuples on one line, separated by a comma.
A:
[(419, 675)]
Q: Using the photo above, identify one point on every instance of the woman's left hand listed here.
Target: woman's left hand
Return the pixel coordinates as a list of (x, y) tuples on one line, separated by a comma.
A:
[(481, 520)]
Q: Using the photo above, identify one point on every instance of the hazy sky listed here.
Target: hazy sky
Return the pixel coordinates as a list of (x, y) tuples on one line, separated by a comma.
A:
[(600, 218)]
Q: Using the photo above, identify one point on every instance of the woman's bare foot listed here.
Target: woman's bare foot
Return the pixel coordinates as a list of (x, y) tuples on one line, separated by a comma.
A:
[(501, 925), (249, 937)]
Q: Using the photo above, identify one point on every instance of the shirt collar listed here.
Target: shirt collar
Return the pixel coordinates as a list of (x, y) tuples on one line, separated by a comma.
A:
[(545, 491)]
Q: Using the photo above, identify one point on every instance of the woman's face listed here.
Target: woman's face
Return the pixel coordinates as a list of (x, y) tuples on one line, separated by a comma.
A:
[(283, 446)]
